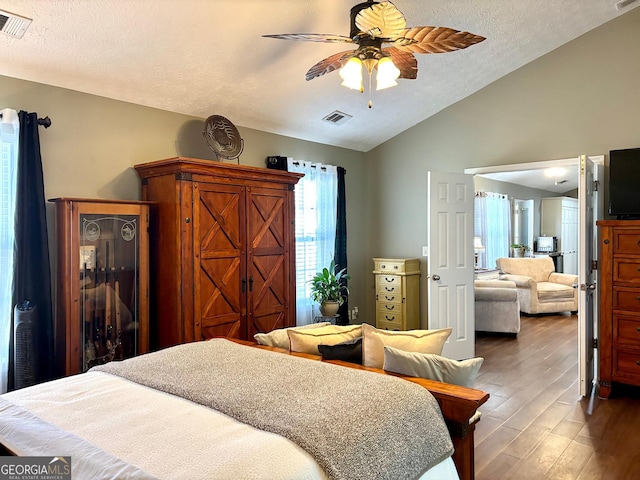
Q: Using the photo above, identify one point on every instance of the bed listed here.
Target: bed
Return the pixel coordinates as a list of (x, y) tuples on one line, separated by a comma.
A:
[(230, 409)]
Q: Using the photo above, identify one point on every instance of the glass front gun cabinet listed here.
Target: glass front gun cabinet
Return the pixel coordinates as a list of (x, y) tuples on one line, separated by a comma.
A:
[(102, 301)]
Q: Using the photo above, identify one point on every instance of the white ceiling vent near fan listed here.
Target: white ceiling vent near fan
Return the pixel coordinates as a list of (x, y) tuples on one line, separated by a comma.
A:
[(624, 3), (337, 118), (13, 25)]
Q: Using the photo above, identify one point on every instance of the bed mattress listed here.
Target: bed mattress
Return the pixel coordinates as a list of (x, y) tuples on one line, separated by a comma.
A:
[(114, 428)]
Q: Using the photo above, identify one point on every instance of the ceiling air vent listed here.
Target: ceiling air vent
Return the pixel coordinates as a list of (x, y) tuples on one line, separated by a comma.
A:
[(13, 25), (337, 117), (624, 3)]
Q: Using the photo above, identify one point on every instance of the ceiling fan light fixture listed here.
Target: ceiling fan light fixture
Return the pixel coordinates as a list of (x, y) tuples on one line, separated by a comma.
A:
[(351, 74), (373, 24), (387, 75)]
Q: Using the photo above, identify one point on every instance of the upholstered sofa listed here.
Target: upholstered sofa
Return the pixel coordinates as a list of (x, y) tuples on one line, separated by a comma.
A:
[(540, 288), (497, 306)]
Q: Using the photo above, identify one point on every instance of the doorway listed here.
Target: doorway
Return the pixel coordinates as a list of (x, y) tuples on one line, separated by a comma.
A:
[(590, 171)]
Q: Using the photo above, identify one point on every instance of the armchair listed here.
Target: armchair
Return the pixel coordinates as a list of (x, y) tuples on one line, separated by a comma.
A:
[(497, 306), (540, 288)]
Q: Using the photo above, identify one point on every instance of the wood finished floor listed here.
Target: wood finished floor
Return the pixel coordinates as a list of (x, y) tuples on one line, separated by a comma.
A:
[(535, 425)]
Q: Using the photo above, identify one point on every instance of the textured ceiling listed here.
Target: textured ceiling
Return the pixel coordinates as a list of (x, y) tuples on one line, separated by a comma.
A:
[(205, 57), (563, 180)]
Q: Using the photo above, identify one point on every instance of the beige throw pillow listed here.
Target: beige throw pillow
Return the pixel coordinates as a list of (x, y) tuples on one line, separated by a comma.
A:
[(307, 341), (374, 340), (279, 337), (434, 367)]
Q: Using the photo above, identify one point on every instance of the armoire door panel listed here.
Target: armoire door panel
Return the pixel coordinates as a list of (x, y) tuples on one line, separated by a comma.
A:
[(219, 291), (268, 262), (268, 278), (231, 329), (266, 323), (266, 218), (220, 219), (220, 269)]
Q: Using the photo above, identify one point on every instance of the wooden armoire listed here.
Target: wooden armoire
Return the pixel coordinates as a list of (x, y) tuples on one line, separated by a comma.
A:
[(222, 249)]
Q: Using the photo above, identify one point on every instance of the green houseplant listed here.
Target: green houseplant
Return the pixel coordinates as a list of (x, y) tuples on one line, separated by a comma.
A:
[(327, 289), (519, 249)]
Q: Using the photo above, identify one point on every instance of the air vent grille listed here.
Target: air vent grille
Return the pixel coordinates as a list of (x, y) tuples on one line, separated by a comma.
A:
[(624, 3), (13, 25), (337, 118)]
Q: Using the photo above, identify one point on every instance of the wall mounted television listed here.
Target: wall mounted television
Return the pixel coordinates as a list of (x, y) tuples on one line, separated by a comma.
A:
[(624, 183)]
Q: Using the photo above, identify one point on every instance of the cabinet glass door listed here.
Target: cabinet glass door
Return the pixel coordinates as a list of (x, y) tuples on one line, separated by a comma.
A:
[(109, 287)]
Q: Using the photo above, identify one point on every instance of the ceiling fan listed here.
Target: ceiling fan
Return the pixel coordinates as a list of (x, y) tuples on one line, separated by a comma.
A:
[(372, 25)]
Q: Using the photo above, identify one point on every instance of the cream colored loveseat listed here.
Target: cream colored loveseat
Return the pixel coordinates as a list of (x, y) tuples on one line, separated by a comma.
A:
[(540, 288)]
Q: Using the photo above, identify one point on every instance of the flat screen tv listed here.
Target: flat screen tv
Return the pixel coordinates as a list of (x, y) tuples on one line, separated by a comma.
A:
[(624, 183)]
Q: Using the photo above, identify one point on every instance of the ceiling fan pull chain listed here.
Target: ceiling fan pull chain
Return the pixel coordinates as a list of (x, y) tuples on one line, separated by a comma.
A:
[(370, 101)]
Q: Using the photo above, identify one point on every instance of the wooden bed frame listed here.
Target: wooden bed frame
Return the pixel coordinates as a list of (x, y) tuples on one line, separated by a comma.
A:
[(458, 405)]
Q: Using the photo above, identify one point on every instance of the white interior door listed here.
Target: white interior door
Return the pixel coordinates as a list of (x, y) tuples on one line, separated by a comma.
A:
[(450, 260), (588, 214)]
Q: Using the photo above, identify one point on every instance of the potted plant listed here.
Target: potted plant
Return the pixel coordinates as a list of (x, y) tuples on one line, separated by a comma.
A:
[(519, 249), (327, 289)]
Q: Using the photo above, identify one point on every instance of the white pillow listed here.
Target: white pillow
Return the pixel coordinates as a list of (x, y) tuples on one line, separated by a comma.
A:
[(434, 367), (279, 337), (307, 341), (374, 340)]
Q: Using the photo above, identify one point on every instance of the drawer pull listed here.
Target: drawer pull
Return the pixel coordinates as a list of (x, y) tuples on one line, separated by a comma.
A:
[(390, 307), (638, 363), (638, 297), (389, 289), (639, 243), (638, 329), (393, 318), (389, 299), (395, 267), (389, 280)]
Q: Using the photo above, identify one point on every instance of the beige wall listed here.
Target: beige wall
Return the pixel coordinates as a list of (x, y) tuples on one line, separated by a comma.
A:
[(580, 98), (93, 143)]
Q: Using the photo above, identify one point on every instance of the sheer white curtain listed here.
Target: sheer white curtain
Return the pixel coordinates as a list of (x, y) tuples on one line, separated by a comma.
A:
[(9, 128), (493, 226), (316, 212)]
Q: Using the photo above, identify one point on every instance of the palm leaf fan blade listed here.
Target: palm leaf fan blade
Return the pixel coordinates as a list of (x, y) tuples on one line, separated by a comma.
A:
[(311, 37), (329, 64), (405, 62), (381, 20), (435, 40)]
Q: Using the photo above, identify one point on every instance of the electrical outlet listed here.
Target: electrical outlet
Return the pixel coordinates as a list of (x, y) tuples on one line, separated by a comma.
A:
[(425, 251)]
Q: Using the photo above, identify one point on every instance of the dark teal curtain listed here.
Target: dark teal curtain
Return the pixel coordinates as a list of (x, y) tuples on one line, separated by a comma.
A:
[(340, 256), (32, 272)]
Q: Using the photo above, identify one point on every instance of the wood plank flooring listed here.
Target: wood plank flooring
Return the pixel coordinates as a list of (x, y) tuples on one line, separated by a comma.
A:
[(536, 425)]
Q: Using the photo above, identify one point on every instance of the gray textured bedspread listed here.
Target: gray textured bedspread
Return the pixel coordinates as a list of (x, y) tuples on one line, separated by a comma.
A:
[(356, 424)]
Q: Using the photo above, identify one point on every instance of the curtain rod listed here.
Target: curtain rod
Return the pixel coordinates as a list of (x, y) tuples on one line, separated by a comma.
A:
[(45, 122), (313, 165)]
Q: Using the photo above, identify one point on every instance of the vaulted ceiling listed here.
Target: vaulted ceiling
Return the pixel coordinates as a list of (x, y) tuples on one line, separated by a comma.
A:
[(206, 57)]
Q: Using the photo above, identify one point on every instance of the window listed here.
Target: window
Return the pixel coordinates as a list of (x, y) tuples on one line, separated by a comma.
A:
[(493, 226), (9, 127), (315, 211)]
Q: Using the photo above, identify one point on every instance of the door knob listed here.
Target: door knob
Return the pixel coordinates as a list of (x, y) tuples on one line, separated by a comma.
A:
[(435, 277)]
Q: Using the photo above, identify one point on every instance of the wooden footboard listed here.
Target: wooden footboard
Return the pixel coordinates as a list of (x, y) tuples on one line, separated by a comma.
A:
[(458, 404)]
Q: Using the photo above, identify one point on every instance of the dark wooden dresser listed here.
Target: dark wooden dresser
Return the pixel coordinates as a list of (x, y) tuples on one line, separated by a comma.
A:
[(619, 339)]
